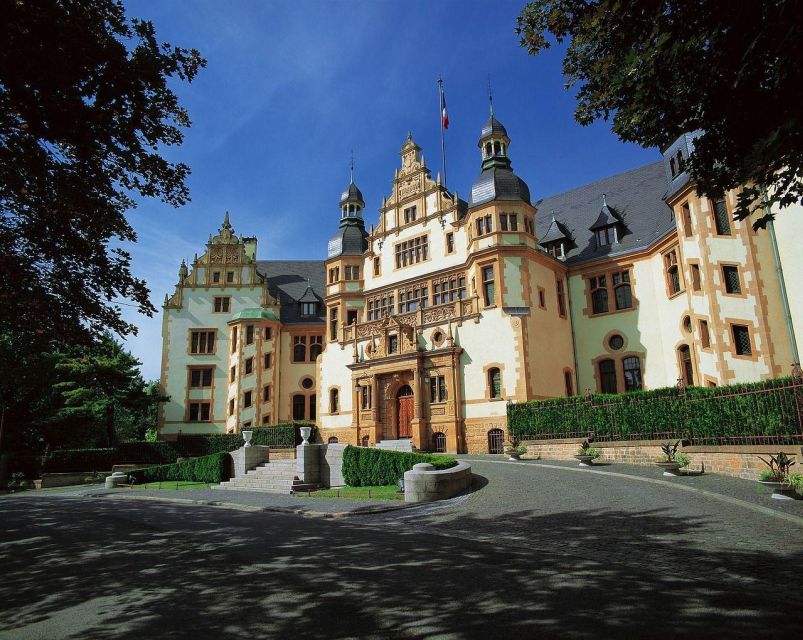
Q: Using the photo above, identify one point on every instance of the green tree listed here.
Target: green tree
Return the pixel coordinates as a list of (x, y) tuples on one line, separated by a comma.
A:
[(660, 68), (85, 109), (104, 393)]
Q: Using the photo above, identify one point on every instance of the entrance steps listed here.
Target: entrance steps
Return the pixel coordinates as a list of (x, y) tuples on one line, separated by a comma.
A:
[(405, 444), (278, 476)]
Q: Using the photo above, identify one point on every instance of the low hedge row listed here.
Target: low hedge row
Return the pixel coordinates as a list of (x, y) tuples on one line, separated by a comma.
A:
[(212, 469), (737, 411), (67, 460), (280, 436), (364, 466)]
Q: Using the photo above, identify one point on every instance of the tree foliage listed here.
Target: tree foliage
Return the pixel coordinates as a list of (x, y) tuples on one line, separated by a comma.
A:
[(659, 68), (85, 108)]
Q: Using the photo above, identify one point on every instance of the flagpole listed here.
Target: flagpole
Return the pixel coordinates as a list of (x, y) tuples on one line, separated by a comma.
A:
[(440, 117)]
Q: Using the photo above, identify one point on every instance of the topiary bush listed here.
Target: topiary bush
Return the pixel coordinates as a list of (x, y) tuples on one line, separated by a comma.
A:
[(363, 466), (211, 469)]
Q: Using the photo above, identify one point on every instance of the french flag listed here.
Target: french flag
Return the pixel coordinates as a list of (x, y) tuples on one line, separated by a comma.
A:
[(444, 115)]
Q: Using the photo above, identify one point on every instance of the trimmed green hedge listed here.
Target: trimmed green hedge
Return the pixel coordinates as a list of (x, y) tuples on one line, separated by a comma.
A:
[(704, 414), (374, 467), (66, 460), (212, 469), (280, 436)]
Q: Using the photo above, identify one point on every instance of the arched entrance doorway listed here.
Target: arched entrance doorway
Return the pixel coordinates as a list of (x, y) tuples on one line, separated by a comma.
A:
[(405, 412)]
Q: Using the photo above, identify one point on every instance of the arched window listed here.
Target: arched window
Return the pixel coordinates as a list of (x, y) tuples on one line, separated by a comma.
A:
[(494, 383), (439, 442), (332, 440), (312, 407), (686, 366), (299, 348), (334, 401), (315, 348), (607, 376), (599, 294), (488, 149), (632, 367), (298, 407), (497, 148)]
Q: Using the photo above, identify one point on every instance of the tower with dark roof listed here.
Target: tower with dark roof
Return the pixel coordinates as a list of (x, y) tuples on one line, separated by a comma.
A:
[(351, 238), (496, 180)]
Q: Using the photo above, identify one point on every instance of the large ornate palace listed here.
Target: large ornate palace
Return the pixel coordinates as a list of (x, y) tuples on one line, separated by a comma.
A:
[(424, 326)]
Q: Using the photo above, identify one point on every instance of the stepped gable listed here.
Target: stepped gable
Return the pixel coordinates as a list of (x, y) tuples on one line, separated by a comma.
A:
[(287, 280), (636, 197)]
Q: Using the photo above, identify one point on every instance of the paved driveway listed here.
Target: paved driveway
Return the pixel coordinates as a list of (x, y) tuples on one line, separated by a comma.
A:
[(535, 552)]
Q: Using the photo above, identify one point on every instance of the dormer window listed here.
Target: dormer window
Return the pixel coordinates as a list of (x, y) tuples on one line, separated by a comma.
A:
[(606, 236), (308, 309), (556, 249)]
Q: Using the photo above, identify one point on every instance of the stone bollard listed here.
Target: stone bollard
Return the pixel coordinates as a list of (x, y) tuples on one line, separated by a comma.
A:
[(116, 479)]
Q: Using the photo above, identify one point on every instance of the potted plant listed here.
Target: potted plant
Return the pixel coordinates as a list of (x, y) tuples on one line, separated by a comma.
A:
[(515, 451), (586, 454), (672, 461), (778, 478)]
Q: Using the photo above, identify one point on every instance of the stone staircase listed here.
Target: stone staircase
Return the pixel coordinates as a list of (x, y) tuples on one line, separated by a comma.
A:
[(278, 476), (405, 444)]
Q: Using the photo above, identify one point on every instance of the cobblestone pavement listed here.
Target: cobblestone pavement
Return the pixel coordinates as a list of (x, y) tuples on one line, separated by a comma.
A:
[(534, 551)]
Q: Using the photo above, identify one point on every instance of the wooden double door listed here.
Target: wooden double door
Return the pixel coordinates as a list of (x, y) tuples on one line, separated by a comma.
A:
[(405, 411)]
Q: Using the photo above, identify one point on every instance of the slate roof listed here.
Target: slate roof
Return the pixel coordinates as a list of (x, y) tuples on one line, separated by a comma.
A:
[(287, 280), (351, 239), (493, 127), (637, 197), (498, 183)]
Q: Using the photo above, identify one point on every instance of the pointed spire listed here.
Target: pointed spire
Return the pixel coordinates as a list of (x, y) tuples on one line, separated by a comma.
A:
[(409, 136), (352, 166), (182, 270), (490, 98), (226, 223)]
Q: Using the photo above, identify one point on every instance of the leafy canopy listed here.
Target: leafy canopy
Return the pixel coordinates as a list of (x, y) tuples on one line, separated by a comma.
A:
[(85, 108), (660, 68)]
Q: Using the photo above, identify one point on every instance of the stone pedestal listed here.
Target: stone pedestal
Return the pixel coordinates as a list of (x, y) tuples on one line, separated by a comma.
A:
[(308, 463)]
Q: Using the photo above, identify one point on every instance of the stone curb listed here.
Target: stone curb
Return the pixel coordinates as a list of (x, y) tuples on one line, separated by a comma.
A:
[(254, 508), (709, 494)]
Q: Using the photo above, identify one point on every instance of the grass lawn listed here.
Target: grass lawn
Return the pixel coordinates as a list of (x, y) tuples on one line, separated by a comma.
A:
[(388, 492), (171, 485)]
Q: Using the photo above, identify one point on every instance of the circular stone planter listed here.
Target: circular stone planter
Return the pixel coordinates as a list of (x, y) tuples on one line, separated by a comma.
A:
[(585, 461), (671, 469), (780, 490)]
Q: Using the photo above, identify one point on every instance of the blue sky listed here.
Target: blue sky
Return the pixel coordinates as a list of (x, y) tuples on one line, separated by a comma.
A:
[(291, 88)]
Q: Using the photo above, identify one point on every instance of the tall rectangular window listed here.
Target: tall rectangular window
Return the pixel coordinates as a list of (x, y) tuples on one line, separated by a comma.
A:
[(721, 218), (696, 282), (393, 344), (333, 324), (299, 348), (268, 333), (437, 389), (216, 277), (488, 287), (233, 374), (202, 342), (247, 399), (267, 362), (249, 366), (377, 267), (366, 393), (410, 214), (222, 304), (672, 272), (685, 213), (266, 393), (598, 286), (514, 222), (201, 378), (741, 340), (450, 243), (503, 222), (730, 276), (249, 334), (561, 298), (705, 336)]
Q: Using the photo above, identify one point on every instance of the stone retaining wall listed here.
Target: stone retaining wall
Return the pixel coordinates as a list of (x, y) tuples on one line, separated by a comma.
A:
[(738, 461), (423, 483)]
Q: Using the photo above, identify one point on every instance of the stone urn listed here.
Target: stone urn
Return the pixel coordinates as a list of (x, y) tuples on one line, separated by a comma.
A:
[(247, 435), (781, 490), (305, 433), (585, 460), (671, 469)]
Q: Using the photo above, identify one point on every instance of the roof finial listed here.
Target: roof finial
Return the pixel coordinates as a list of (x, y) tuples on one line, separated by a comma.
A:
[(409, 136), (604, 201), (352, 166), (490, 97), (553, 215), (226, 223)]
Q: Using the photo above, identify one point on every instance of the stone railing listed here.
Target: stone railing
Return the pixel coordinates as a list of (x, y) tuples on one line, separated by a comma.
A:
[(457, 310)]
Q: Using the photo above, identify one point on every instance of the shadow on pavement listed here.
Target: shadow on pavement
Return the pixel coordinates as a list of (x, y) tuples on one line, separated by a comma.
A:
[(89, 569)]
